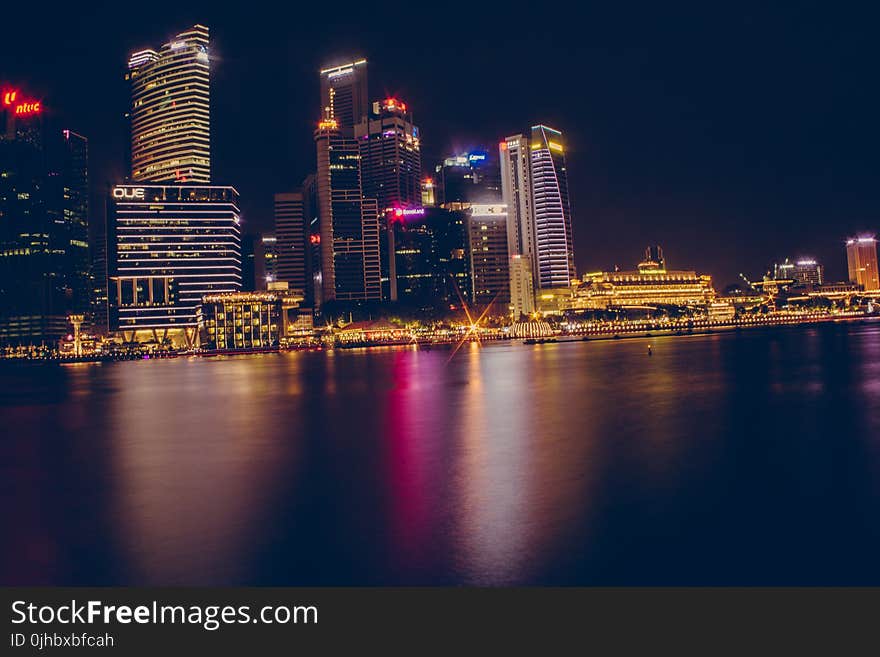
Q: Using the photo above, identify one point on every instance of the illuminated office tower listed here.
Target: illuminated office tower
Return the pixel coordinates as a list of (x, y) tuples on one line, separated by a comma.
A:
[(349, 223), (344, 94), (516, 190), (292, 241), (468, 178), (808, 272), (861, 259), (169, 246), (490, 264), (391, 161), (170, 110), (554, 251)]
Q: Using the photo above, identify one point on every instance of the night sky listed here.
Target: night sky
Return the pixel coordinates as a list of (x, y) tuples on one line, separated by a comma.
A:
[(730, 136)]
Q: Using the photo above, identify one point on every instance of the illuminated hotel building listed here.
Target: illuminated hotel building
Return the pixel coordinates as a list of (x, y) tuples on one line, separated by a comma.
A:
[(391, 161), (804, 272), (344, 94), (248, 320), (861, 260), (170, 110), (349, 223), (490, 264), (650, 285), (169, 246)]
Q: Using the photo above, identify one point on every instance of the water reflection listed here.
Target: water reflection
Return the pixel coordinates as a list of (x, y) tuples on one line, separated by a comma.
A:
[(721, 459)]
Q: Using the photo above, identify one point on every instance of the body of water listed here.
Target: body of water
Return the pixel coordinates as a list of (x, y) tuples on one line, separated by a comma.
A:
[(735, 458)]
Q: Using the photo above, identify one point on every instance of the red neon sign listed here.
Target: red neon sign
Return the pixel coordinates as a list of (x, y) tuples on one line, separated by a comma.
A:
[(314, 239), (24, 108)]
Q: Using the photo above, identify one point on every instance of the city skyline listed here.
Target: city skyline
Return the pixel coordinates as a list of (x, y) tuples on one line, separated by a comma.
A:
[(711, 227)]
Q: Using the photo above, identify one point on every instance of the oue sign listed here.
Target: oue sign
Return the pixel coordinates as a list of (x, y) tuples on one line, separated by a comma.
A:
[(131, 193)]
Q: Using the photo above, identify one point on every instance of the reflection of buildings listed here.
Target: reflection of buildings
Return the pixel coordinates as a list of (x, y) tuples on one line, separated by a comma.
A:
[(168, 246), (861, 260), (170, 110), (249, 320), (649, 285), (490, 266)]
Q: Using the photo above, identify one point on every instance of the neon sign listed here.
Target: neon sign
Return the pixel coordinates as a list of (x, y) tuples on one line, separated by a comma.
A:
[(393, 103), (129, 193), (314, 239), (23, 108)]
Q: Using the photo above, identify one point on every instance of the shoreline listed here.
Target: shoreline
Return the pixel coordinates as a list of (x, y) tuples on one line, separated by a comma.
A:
[(585, 336)]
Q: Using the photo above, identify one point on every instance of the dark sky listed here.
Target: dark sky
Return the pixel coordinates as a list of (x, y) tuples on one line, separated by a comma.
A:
[(730, 135)]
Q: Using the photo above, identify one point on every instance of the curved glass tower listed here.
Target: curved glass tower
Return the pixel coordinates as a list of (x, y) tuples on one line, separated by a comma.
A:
[(170, 110)]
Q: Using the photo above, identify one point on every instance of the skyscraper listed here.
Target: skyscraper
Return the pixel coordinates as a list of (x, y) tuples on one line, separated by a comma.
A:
[(391, 161), (168, 246), (534, 184), (349, 223), (522, 294), (468, 178), (490, 263), (292, 241), (44, 262), (170, 110), (861, 260), (344, 94), (551, 208)]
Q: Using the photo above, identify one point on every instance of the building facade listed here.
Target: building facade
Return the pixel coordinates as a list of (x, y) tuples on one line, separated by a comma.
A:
[(291, 240), (349, 223), (248, 320), (169, 246), (861, 260), (344, 94), (170, 110), (45, 272), (489, 258), (522, 293)]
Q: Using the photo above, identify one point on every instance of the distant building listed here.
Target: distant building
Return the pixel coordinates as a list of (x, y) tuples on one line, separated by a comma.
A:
[(349, 223), (292, 241), (248, 320), (170, 110), (861, 259), (490, 262), (270, 260), (169, 246), (522, 293), (344, 94), (467, 178), (650, 285)]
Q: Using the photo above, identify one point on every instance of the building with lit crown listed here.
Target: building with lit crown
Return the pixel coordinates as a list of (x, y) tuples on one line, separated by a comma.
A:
[(349, 223), (170, 110), (490, 263), (861, 260), (169, 246), (344, 94)]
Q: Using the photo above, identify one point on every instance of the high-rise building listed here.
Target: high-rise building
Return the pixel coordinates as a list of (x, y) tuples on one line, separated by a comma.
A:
[(391, 162), (534, 183), (861, 260), (804, 272), (269, 267), (44, 256), (344, 94), (468, 178), (551, 208), (292, 240), (431, 264), (490, 263), (169, 246), (349, 223), (170, 110)]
